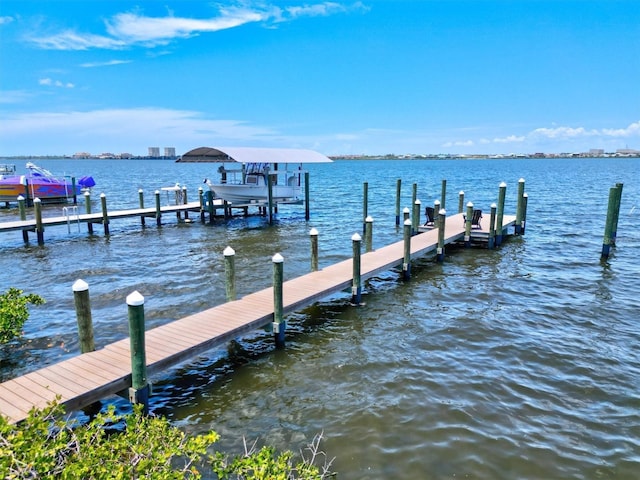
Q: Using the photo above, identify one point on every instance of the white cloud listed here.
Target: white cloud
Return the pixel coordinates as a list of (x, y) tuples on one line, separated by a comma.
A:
[(510, 139), (128, 29), (5, 20), (104, 64), (459, 143), (55, 83)]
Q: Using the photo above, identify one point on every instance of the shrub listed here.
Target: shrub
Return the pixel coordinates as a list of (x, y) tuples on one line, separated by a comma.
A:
[(14, 312)]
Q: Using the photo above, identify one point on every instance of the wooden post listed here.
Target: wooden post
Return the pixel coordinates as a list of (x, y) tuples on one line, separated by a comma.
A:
[(83, 315), (158, 211), (609, 225), (443, 194), (270, 195), (201, 200), (499, 217), (467, 225), (365, 205), (414, 193), (406, 214), (230, 273), (442, 219), (307, 209), (184, 201), (23, 217), (368, 234), (415, 219), (73, 189), (313, 234), (398, 190), (87, 209), (519, 207), (141, 201), (617, 212), (461, 201), (105, 215), (406, 262), (139, 391), (525, 199), (279, 325), (492, 227), (37, 205), (436, 212), (356, 288)]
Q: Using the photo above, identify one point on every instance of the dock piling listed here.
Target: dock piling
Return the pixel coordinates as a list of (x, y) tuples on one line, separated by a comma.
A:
[(105, 214), (279, 325), (365, 205), (613, 209), (460, 201), (87, 210), (141, 202), (139, 391), (313, 234), (491, 243), (37, 205), (230, 273), (307, 208), (617, 211), (500, 215), (398, 192), (443, 194), (442, 219), (467, 225), (525, 199), (356, 288), (83, 315), (406, 262), (415, 219), (519, 207), (406, 213), (23, 217), (158, 211), (368, 234)]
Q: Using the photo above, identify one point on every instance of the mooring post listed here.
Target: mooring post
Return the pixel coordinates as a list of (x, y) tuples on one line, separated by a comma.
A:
[(105, 215), (230, 273), (83, 315), (139, 391), (87, 209), (313, 234), (307, 196), (279, 325), (436, 211), (158, 211), (492, 227), (398, 191), (141, 202), (460, 201), (608, 228), (73, 189), (356, 288), (519, 207), (406, 261), (368, 233), (184, 201), (442, 219), (443, 194), (616, 215), (467, 225), (415, 219), (414, 193), (365, 205), (201, 200), (23, 217), (269, 194), (37, 205), (406, 214), (499, 218), (525, 199)]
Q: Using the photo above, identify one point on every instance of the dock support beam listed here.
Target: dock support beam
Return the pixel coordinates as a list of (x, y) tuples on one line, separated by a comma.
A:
[(356, 287), (525, 199), (406, 261), (499, 218), (492, 227), (279, 325), (158, 211), (442, 220), (230, 273), (415, 219), (368, 234), (105, 214), (83, 314), (139, 391), (23, 217), (519, 207), (37, 205), (313, 234), (398, 191), (141, 201), (467, 225), (87, 209)]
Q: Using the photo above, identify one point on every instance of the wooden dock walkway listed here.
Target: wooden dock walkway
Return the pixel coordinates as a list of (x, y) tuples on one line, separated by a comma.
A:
[(92, 376)]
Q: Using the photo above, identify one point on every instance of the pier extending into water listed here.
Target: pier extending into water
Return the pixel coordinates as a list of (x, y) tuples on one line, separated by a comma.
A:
[(122, 367)]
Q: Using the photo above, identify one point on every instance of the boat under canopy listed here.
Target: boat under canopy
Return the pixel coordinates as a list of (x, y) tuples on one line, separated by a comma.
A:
[(260, 172)]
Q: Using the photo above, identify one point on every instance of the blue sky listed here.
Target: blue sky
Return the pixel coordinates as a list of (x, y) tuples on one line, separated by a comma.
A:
[(340, 77)]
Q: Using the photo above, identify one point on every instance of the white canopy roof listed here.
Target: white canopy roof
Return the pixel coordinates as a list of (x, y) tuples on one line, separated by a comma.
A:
[(253, 155)]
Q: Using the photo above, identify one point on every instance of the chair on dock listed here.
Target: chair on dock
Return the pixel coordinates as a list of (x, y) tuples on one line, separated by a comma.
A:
[(475, 218), (430, 214)]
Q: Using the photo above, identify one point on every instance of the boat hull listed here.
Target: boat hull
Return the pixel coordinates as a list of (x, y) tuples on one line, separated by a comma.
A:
[(243, 193), (46, 191)]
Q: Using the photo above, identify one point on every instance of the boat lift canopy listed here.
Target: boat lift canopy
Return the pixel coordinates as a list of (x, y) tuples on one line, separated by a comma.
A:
[(253, 155)]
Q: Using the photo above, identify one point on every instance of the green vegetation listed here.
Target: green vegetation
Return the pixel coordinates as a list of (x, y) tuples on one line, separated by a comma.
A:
[(14, 312), (113, 446)]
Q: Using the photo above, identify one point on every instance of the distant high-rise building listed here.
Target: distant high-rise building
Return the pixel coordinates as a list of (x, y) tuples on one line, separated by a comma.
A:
[(154, 152), (170, 152)]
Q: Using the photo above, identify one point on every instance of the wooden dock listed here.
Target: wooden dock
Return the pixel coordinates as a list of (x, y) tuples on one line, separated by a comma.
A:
[(89, 377)]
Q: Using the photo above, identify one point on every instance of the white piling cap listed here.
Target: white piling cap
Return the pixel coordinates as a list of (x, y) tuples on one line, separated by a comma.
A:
[(442, 212), (135, 299), (521, 180), (356, 238), (36, 200), (470, 204), (503, 184), (313, 232), (408, 222), (405, 209), (493, 205), (140, 190), (102, 195), (20, 198), (87, 193), (525, 194), (461, 192), (277, 258), (80, 286), (418, 202), (369, 219), (436, 202), (157, 192), (229, 252)]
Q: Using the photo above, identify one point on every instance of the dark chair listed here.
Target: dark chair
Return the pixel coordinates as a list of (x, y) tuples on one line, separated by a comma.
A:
[(475, 218), (430, 214)]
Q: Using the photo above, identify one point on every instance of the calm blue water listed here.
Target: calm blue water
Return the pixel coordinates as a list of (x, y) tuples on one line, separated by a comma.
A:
[(523, 362)]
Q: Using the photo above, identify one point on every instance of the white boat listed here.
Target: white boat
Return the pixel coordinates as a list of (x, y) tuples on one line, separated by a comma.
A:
[(255, 169)]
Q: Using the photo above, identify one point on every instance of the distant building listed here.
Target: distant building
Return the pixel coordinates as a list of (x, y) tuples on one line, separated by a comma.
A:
[(170, 152), (154, 152), (82, 155), (596, 151)]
